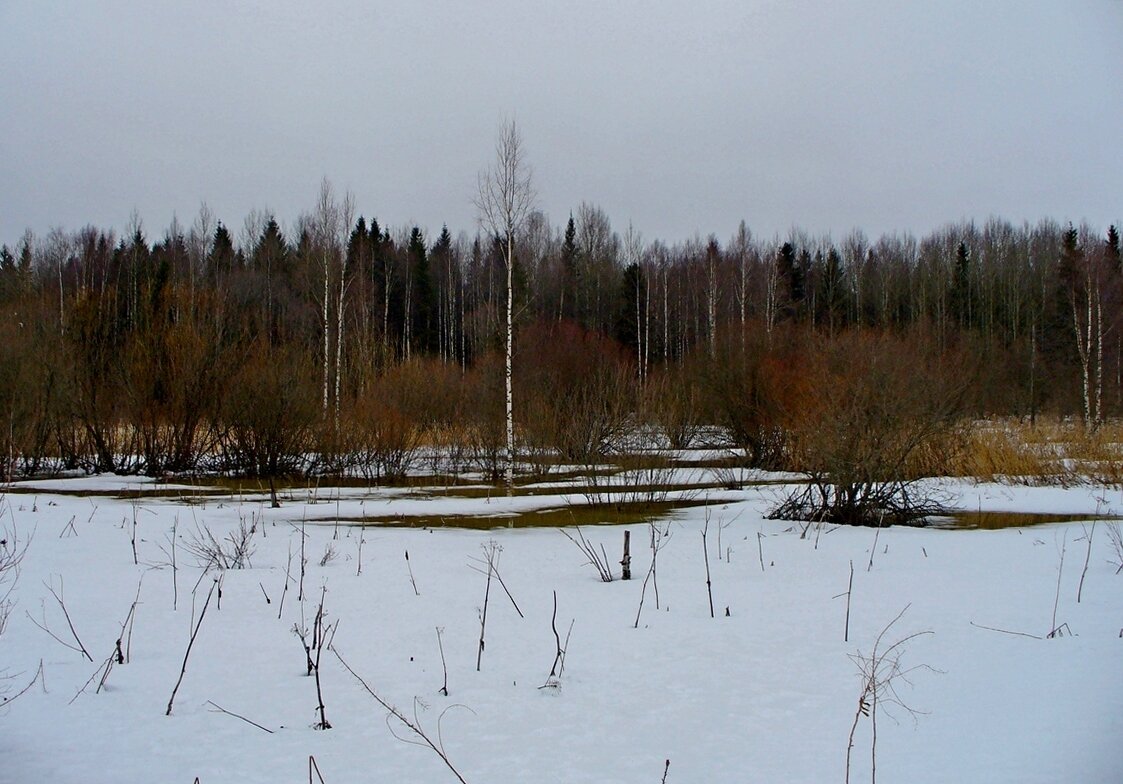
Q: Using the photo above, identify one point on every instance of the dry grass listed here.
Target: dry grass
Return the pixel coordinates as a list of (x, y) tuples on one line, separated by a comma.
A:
[(1051, 452)]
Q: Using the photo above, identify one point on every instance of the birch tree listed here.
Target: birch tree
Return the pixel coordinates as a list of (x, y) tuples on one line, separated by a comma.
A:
[(504, 200)]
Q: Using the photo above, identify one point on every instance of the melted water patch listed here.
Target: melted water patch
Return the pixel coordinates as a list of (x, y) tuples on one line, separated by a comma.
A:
[(558, 517), (997, 520)]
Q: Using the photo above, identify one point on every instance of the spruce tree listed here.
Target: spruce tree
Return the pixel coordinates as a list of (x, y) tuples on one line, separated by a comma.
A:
[(569, 271), (961, 286), (1111, 247), (422, 297)]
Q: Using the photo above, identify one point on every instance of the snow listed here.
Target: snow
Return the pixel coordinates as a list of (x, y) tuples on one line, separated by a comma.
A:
[(765, 694)]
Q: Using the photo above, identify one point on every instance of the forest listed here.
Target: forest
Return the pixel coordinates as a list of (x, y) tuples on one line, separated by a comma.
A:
[(340, 345)]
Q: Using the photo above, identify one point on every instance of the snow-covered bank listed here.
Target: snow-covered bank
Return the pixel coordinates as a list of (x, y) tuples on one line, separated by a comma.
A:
[(767, 693)]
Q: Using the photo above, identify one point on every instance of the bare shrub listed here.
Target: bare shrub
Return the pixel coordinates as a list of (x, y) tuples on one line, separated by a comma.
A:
[(232, 552), (672, 402), (1115, 537), (30, 400), (271, 413), (597, 559), (385, 440), (403, 415), (174, 381), (748, 385), (579, 394), (12, 551), (881, 673), (483, 427), (875, 401)]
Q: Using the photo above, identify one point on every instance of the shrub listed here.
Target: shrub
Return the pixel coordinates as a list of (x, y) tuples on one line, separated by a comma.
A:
[(271, 413), (875, 402)]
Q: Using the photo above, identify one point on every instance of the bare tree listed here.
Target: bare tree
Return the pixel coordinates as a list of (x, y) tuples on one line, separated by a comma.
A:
[(346, 214), (740, 247), (325, 221), (504, 200)]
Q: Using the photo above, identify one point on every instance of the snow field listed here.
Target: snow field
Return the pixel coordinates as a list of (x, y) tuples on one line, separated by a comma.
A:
[(766, 694)]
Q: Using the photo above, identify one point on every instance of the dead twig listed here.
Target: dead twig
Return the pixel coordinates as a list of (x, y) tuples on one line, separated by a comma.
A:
[(414, 726), (1005, 631), (1053, 629), (444, 667), (1088, 534), (38, 677), (58, 595), (220, 709), (190, 643), (598, 560), (880, 671)]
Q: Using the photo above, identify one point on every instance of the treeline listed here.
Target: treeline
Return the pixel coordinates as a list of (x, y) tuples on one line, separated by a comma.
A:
[(342, 344)]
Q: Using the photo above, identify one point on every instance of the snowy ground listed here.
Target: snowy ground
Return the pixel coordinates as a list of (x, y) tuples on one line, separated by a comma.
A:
[(767, 693)]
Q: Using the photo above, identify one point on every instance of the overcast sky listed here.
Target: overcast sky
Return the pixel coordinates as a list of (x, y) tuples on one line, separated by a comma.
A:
[(678, 117)]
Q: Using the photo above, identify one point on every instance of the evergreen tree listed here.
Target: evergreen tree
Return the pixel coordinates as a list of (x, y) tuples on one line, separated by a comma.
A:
[(834, 290), (627, 324), (220, 262), (272, 262), (960, 294), (569, 271), (1111, 247), (792, 277), (422, 298), (9, 274)]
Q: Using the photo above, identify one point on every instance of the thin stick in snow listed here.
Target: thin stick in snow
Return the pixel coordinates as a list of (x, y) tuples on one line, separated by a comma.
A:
[(175, 569), (288, 579), (303, 563), (412, 581), (706, 555), (873, 550), (413, 726), (39, 676), (1053, 629), (553, 681), (220, 709), (444, 667), (849, 589), (880, 671), (499, 577), (187, 653), (62, 605), (760, 548), (598, 561), (362, 539), (1005, 631), (314, 768), (1088, 534), (489, 552), (130, 621)]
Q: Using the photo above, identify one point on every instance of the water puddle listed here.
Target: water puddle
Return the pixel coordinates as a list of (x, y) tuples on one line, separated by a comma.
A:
[(584, 514), (997, 520)]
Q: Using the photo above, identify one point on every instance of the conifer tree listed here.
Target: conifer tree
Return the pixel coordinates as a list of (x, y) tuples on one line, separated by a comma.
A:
[(568, 305), (1111, 247)]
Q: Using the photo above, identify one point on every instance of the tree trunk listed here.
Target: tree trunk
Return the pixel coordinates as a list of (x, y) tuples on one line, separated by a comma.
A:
[(510, 477)]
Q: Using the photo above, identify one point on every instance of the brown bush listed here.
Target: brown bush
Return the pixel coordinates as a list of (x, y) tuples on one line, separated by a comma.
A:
[(672, 403), (750, 387), (873, 404), (271, 414), (577, 392)]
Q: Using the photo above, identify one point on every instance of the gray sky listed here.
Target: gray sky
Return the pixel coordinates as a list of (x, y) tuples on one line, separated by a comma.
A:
[(678, 117)]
